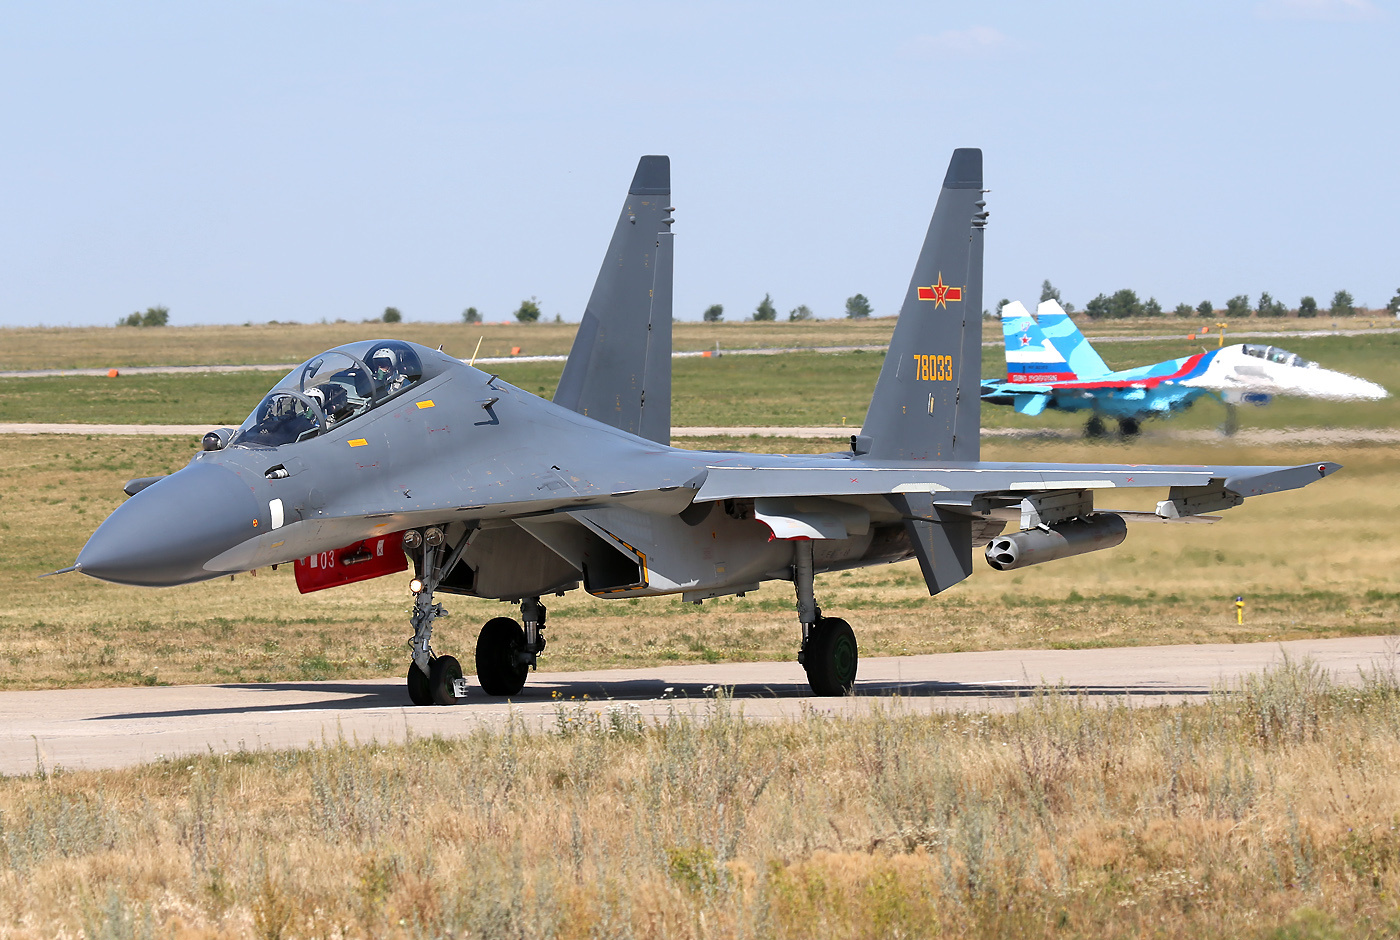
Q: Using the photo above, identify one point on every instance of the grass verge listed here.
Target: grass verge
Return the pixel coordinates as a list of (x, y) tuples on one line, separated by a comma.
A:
[(1269, 811)]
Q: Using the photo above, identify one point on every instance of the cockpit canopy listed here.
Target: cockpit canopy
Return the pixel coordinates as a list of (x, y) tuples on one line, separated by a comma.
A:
[(1281, 356), (336, 386)]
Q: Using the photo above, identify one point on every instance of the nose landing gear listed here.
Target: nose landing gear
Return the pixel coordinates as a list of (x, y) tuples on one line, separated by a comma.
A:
[(432, 679)]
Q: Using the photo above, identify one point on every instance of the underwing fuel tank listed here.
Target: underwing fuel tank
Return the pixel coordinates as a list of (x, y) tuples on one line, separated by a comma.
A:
[(1074, 537)]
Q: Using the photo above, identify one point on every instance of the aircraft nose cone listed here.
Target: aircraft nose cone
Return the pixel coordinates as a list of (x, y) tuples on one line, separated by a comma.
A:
[(164, 534)]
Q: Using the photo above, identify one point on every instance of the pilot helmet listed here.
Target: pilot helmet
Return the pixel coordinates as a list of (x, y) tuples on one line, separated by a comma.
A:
[(318, 396), (384, 359)]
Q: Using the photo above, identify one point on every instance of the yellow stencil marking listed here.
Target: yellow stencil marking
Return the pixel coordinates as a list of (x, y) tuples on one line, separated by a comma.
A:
[(426, 403), (358, 442), (934, 368)]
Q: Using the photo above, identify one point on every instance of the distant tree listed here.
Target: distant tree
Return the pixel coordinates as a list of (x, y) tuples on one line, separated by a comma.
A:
[(1049, 291), (1185, 310), (1205, 309), (154, 316), (1124, 304), (1237, 306), (1307, 307), (858, 308), (800, 312), (558, 318), (391, 315), (1098, 308), (1268, 307), (714, 313), (529, 311), (765, 309), (1067, 306), (471, 315), (1342, 304), (1152, 308), (1393, 308)]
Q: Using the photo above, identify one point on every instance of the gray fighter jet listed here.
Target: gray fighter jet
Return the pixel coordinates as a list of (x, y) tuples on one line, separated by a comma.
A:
[(378, 453)]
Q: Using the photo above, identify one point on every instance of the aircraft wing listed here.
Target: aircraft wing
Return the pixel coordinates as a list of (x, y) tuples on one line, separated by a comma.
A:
[(993, 479)]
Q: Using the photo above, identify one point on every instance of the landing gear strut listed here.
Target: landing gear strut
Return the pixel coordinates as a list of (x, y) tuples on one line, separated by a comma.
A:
[(829, 653), (505, 652), (432, 680)]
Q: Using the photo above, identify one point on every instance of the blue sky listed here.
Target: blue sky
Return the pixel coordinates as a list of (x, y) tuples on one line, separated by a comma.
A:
[(299, 161)]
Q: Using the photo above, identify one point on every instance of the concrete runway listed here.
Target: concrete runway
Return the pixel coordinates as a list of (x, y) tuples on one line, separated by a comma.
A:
[(96, 728)]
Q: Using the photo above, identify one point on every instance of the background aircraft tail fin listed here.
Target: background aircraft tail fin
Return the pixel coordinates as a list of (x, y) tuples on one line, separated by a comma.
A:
[(1031, 358), (1084, 360), (619, 368), (926, 404)]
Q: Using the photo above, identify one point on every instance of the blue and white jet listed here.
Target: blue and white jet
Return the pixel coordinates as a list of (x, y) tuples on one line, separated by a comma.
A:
[(1050, 364)]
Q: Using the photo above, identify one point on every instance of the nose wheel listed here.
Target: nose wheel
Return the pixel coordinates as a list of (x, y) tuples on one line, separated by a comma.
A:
[(432, 679)]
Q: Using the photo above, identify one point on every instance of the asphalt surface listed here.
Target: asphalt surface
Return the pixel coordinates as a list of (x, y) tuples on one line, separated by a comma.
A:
[(99, 728)]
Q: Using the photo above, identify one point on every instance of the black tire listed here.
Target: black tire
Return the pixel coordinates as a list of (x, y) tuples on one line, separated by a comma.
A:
[(832, 657), (419, 690), (498, 665), (1128, 427), (443, 671), (1094, 428)]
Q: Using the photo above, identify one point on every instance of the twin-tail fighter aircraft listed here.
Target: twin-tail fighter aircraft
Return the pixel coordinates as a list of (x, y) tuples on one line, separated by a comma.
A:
[(382, 452), (1051, 364)]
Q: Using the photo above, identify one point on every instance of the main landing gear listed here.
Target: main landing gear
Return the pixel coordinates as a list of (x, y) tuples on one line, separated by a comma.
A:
[(504, 651), (829, 653)]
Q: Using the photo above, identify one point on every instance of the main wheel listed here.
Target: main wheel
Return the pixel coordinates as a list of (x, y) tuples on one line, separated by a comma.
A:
[(832, 657), (443, 673), (499, 665), (1094, 427), (1128, 427), (419, 691)]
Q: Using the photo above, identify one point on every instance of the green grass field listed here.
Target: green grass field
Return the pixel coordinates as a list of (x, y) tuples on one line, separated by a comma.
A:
[(1316, 563), (790, 390), (263, 343)]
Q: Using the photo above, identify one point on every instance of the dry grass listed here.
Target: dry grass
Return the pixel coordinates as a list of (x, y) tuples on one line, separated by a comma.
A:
[(1318, 562), (1267, 812)]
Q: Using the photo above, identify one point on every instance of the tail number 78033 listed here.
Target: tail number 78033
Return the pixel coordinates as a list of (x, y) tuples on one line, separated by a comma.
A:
[(934, 368)]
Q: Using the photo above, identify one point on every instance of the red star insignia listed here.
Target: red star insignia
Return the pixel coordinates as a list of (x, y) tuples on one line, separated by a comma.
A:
[(940, 293)]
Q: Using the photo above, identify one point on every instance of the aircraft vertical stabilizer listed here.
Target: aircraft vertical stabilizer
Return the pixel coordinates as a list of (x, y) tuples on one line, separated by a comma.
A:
[(927, 404), (1031, 358), (617, 362), (1084, 361)]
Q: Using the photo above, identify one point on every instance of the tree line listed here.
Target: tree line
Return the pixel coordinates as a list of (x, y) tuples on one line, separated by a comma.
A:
[(1125, 303)]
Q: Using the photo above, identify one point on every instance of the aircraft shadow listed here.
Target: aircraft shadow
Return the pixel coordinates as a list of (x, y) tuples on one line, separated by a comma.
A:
[(392, 694)]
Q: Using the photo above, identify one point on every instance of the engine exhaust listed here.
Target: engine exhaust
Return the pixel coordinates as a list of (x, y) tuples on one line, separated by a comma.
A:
[(1032, 546)]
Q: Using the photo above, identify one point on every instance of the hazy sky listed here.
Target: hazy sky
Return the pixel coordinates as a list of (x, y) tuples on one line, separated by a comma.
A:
[(299, 161)]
